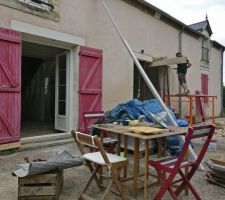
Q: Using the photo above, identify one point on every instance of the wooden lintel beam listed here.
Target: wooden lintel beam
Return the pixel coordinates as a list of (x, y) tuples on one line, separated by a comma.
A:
[(168, 61), (143, 57)]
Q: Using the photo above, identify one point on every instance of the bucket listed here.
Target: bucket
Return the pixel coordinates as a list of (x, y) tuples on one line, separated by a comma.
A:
[(212, 145)]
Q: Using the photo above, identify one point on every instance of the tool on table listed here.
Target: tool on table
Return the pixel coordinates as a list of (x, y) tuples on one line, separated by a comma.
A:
[(143, 121)]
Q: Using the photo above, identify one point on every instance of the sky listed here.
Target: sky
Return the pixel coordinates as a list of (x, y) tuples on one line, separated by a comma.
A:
[(193, 11)]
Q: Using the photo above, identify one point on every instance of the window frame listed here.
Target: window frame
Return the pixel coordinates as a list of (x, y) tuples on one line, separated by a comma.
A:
[(205, 50), (34, 4)]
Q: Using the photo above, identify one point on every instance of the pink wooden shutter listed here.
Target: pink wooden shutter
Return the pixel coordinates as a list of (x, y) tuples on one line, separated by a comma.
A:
[(90, 82), (204, 80), (10, 67)]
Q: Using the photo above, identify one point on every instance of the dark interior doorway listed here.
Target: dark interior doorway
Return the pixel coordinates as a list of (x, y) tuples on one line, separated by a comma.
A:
[(141, 91), (38, 89)]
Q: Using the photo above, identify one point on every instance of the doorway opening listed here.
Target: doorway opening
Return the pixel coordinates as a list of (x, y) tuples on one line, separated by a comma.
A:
[(38, 86), (159, 78), (141, 90)]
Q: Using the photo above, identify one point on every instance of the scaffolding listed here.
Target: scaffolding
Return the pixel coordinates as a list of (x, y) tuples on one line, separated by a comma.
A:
[(199, 101)]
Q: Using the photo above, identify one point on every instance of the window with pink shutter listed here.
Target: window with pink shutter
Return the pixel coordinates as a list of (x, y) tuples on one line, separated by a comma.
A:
[(10, 85)]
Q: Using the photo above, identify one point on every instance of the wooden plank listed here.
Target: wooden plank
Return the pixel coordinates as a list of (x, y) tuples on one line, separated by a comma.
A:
[(218, 162), (143, 57), (11, 145), (37, 190), (123, 130), (215, 182), (145, 130), (38, 198), (42, 178), (59, 183), (216, 178), (43, 186), (86, 197), (168, 61)]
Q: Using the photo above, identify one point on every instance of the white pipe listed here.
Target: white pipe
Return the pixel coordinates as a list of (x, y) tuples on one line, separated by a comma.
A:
[(141, 70), (145, 77), (193, 154)]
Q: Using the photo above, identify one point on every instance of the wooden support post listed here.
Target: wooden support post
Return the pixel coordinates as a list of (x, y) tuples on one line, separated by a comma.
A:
[(146, 169), (135, 165), (213, 110), (190, 111), (125, 153)]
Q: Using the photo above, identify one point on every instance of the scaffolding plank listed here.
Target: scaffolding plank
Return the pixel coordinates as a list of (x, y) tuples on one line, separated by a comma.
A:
[(168, 61)]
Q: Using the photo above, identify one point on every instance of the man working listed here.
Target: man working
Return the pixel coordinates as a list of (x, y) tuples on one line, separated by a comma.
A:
[(181, 72)]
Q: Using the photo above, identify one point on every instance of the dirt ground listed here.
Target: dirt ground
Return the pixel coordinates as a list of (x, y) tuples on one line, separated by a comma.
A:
[(75, 178)]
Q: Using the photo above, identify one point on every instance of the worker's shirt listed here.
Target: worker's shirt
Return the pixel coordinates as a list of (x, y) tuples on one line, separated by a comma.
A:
[(182, 68)]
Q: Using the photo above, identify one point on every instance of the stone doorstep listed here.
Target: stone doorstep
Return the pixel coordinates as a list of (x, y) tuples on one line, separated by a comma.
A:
[(44, 144), (49, 137)]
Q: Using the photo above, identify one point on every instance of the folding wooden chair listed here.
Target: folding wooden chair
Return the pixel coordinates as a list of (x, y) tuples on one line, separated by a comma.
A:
[(98, 159), (173, 166), (95, 117)]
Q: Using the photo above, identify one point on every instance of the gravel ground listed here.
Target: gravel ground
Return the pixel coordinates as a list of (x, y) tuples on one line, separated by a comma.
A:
[(75, 178)]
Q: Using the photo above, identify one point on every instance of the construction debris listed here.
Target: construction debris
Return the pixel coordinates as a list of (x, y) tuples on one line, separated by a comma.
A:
[(220, 126), (167, 61), (159, 58), (41, 186), (215, 172), (61, 160)]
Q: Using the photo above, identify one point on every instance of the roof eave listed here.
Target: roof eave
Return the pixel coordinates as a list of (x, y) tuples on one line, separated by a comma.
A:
[(165, 15), (218, 44)]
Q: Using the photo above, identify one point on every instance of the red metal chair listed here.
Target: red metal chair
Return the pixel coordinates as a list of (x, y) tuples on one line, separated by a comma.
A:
[(95, 117), (171, 166)]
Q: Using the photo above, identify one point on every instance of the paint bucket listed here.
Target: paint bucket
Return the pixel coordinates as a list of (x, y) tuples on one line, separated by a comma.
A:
[(126, 122), (133, 122), (212, 145)]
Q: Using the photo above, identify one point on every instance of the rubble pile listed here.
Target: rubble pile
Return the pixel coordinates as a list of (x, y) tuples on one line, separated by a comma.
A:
[(215, 172), (220, 128)]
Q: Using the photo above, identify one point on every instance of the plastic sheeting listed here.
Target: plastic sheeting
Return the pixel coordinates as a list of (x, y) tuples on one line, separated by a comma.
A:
[(153, 112), (61, 160), (134, 108)]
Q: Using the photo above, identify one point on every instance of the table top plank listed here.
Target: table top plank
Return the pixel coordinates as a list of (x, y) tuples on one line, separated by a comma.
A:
[(125, 130)]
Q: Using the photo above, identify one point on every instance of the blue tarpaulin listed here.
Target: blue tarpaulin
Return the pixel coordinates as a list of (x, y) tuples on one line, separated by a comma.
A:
[(132, 109)]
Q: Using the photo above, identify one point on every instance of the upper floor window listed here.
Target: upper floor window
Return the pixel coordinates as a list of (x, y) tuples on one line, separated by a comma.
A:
[(43, 5), (48, 9), (205, 50)]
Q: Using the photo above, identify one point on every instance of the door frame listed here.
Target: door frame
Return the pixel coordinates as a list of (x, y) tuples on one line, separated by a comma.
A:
[(44, 36), (65, 117)]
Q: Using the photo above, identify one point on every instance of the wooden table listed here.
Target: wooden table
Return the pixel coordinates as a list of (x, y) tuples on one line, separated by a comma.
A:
[(120, 130)]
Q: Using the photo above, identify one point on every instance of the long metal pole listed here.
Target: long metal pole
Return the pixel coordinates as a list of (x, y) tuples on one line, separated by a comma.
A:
[(141, 70), (147, 80)]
